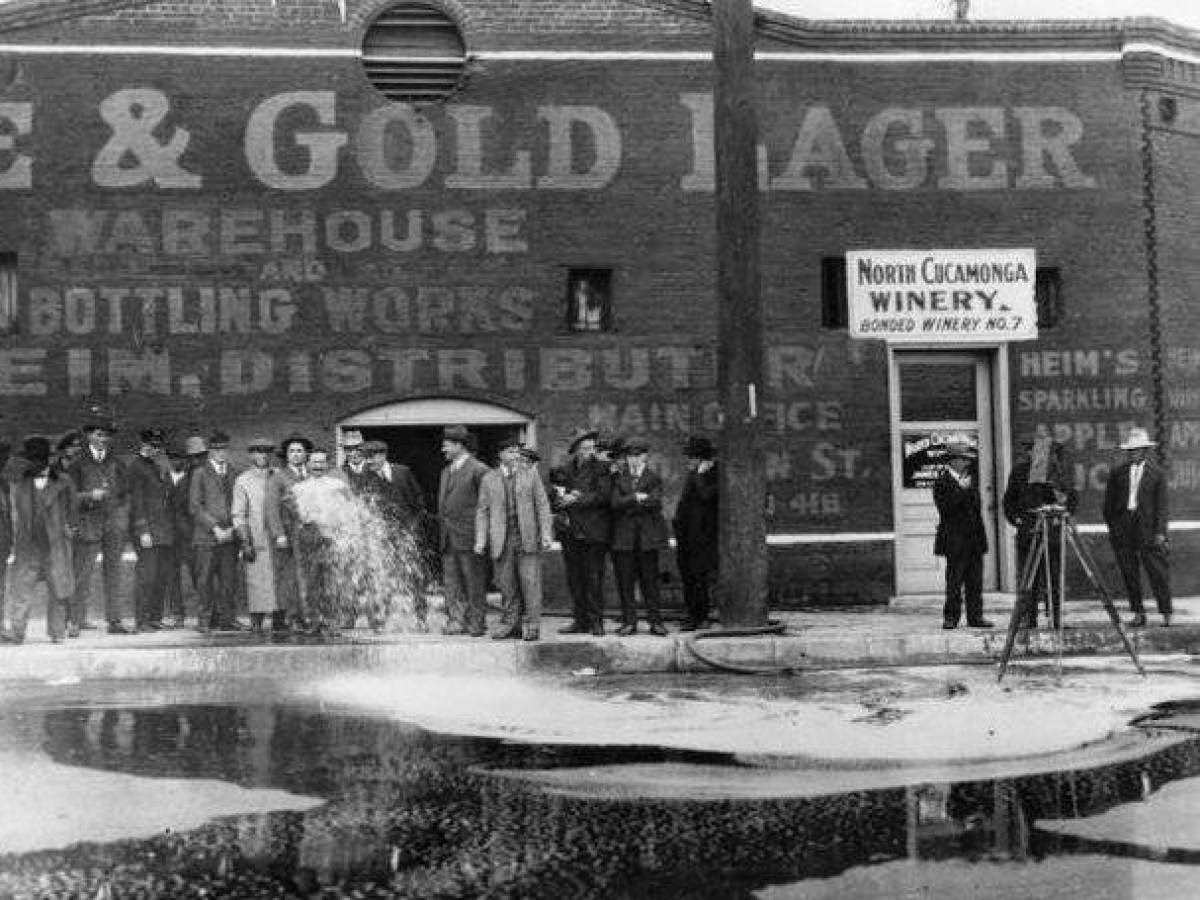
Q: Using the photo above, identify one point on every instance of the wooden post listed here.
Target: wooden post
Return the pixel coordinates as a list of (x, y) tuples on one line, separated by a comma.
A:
[(742, 590)]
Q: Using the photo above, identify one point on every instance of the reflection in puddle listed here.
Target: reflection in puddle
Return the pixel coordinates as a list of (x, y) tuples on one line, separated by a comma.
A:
[(415, 814)]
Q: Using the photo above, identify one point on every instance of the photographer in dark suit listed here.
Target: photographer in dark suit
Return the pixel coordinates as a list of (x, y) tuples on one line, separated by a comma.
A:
[(1039, 478), (1135, 510), (961, 537)]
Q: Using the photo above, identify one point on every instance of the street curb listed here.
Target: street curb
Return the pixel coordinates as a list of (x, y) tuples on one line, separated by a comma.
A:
[(808, 650)]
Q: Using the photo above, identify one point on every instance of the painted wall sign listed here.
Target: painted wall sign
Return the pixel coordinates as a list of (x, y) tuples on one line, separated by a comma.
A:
[(942, 296)]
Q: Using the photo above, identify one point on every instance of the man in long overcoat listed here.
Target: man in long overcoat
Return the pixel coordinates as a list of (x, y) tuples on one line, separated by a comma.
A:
[(1135, 510), (695, 523), (249, 518), (639, 532), (513, 522), (960, 538), (152, 529), (463, 571), (214, 538), (102, 489), (581, 496), (43, 512)]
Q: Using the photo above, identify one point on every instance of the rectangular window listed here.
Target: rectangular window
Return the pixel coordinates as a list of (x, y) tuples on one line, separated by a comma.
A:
[(1047, 294), (835, 310), (589, 300), (8, 293)]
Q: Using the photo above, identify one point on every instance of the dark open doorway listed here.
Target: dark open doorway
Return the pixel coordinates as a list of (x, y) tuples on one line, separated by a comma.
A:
[(420, 448)]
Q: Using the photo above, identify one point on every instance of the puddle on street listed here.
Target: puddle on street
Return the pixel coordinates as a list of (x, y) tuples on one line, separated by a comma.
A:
[(409, 813)]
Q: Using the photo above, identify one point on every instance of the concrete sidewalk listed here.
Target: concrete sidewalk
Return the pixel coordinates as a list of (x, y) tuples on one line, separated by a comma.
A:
[(908, 635)]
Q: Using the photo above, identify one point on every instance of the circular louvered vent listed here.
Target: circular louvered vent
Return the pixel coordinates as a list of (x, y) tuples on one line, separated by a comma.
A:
[(413, 52)]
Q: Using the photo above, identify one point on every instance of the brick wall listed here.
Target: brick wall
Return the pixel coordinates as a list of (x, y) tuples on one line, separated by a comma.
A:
[(476, 310)]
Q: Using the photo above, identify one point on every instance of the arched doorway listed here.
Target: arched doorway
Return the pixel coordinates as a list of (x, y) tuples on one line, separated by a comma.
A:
[(412, 429)]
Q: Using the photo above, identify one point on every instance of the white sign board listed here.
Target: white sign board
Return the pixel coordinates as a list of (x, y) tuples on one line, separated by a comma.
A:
[(942, 296)]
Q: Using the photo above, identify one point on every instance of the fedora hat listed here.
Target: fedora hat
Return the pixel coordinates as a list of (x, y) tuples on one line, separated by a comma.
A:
[(699, 447), (374, 446), (152, 437), (352, 438), (637, 445), (582, 434), (217, 440), (36, 449), (261, 444), (1137, 439), (459, 434), (195, 445)]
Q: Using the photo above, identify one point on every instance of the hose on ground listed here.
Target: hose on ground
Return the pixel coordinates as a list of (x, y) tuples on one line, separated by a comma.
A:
[(691, 640)]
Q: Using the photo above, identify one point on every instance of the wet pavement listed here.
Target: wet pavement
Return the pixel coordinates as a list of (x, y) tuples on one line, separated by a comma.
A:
[(301, 799)]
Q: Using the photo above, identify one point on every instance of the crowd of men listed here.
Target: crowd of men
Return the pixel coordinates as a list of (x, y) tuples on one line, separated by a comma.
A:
[(71, 513)]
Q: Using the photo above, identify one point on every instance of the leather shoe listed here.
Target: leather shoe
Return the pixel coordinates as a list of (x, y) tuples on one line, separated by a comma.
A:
[(981, 623), (687, 625), (511, 635), (117, 628), (530, 635), (1166, 620), (1138, 621), (659, 629), (949, 626), (573, 628), (478, 632), (627, 630), (598, 630)]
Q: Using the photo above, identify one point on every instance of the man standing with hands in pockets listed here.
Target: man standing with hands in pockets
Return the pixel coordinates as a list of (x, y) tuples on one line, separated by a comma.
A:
[(513, 521), (1135, 510)]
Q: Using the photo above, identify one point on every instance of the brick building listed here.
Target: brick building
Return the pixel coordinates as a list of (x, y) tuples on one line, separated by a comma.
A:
[(214, 215)]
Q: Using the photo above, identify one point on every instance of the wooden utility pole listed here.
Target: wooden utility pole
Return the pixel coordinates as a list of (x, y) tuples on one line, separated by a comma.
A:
[(742, 590)]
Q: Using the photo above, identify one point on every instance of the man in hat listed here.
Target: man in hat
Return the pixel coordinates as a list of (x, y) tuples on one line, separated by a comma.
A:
[(67, 450), (355, 468), (639, 532), (210, 502), (960, 537), (178, 553), (695, 525), (282, 522), (1135, 510), (513, 522), (102, 488), (153, 529), (1039, 477), (43, 513), (463, 572), (399, 494), (581, 494), (249, 518)]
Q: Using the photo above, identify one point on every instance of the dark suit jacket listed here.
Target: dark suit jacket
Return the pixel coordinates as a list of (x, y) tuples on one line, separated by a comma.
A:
[(637, 525), (210, 500), (696, 519), (400, 497), (150, 502), (59, 520), (960, 530), (458, 498), (589, 518), (101, 518), (1151, 502)]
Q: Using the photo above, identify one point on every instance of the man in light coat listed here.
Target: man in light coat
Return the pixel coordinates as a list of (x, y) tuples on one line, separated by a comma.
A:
[(463, 572), (513, 522), (1135, 510)]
